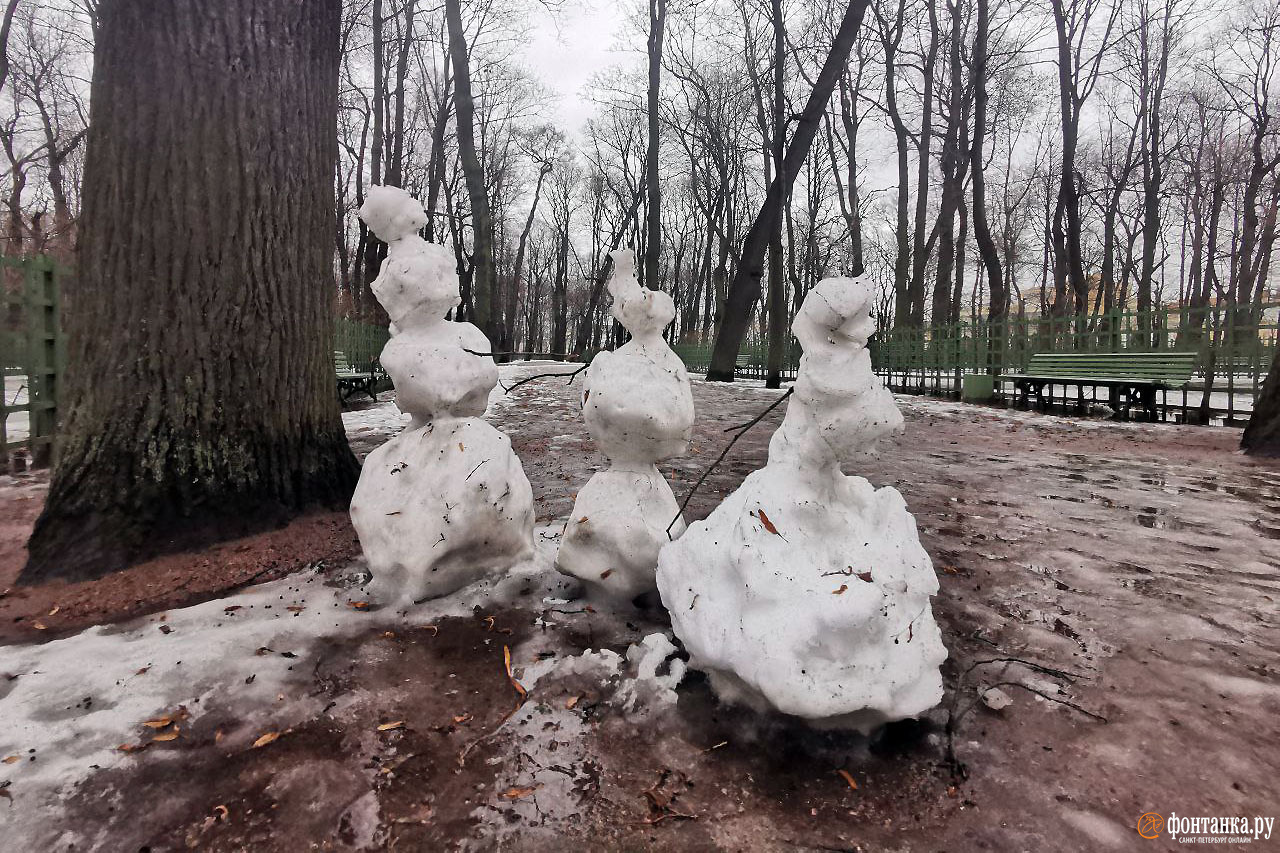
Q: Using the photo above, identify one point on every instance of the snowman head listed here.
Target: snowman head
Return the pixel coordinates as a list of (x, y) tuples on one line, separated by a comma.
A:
[(641, 311), (836, 311), (391, 213)]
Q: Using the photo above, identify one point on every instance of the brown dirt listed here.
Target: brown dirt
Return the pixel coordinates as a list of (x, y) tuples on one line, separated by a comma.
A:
[(175, 580)]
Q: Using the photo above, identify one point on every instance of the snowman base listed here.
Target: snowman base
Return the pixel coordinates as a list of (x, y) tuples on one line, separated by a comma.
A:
[(618, 525), (808, 593), (439, 507)]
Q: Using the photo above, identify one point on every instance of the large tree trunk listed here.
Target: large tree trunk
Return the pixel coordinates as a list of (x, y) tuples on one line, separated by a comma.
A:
[(998, 296), (200, 378), (745, 289), (373, 250), (1262, 435), (777, 299), (920, 245), (653, 238), (482, 277)]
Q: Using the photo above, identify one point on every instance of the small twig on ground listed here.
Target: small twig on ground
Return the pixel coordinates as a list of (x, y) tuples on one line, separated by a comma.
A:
[(955, 717), (570, 375), (741, 430), (569, 356)]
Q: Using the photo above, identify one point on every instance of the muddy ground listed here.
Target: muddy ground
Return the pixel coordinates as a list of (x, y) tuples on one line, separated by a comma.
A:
[(1119, 580)]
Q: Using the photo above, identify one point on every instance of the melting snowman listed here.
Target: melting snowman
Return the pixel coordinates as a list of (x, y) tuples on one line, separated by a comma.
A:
[(446, 501), (639, 408), (807, 591)]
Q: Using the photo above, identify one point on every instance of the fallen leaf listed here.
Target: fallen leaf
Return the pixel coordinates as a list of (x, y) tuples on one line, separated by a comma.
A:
[(53, 611), (265, 739), (9, 759), (434, 629), (506, 654), (39, 626), (606, 573), (172, 734), (158, 722), (572, 701), (848, 778), (165, 629), (841, 590), (460, 447), (222, 812), (462, 718), (144, 670), (864, 576), (232, 608), (582, 520), (517, 793), (386, 727), (359, 605), (263, 650), (133, 747), (296, 608), (218, 736), (768, 525)]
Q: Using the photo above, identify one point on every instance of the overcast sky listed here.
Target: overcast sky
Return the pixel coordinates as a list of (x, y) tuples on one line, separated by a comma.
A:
[(565, 51)]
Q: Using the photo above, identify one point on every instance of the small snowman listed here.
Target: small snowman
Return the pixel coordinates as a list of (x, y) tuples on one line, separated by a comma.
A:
[(639, 408), (807, 591), (445, 502)]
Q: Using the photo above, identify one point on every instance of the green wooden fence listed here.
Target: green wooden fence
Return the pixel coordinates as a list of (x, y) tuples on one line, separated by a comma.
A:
[(361, 342), (1234, 344), (32, 356)]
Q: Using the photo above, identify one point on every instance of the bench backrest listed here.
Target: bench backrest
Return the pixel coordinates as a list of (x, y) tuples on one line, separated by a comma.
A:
[(1172, 368), (340, 363)]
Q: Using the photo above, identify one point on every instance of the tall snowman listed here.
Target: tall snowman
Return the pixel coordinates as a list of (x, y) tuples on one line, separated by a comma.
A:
[(445, 502), (639, 408), (807, 591)]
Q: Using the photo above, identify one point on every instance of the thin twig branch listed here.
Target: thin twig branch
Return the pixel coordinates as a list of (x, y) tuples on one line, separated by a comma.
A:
[(571, 375), (741, 430)]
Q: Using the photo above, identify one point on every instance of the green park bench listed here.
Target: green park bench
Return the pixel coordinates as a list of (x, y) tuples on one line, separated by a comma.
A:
[(1131, 378), (350, 380)]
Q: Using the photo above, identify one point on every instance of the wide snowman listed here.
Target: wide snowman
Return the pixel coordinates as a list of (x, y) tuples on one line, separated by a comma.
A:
[(445, 502), (807, 591), (639, 408)]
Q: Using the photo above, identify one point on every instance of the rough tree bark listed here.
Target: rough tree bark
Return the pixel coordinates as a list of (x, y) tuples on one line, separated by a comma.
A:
[(200, 378), (744, 291)]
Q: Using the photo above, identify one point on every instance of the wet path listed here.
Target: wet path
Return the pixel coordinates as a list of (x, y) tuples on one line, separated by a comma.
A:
[(1143, 559)]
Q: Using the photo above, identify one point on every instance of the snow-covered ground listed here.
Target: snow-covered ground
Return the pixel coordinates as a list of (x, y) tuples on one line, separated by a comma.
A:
[(17, 424), (89, 702)]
